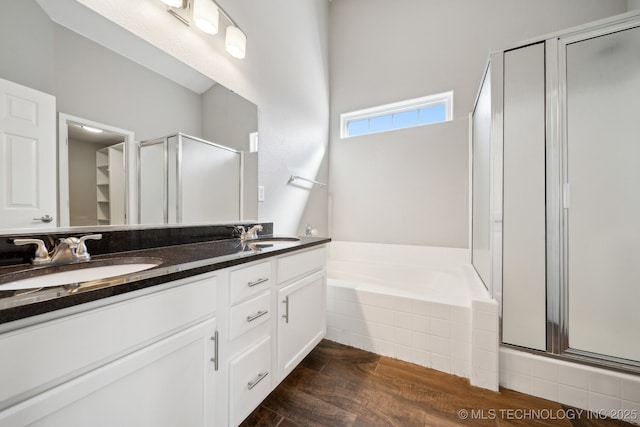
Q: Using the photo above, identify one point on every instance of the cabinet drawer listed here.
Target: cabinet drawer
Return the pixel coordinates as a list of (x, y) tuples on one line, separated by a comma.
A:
[(249, 281), (61, 349), (292, 266), (249, 314), (250, 380)]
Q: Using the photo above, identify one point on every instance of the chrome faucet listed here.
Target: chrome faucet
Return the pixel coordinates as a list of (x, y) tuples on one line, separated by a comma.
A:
[(68, 250), (251, 233)]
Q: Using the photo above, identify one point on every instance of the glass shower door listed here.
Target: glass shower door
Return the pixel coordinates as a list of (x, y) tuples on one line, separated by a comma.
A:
[(602, 195)]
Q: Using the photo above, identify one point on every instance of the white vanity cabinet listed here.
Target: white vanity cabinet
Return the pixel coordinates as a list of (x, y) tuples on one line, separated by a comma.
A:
[(301, 307), (144, 361), (202, 351), (267, 346)]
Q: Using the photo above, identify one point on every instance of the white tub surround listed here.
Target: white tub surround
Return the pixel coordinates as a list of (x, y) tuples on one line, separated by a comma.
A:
[(423, 305)]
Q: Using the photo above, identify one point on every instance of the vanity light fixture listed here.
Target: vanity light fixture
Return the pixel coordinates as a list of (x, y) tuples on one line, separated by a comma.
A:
[(205, 15), (235, 39)]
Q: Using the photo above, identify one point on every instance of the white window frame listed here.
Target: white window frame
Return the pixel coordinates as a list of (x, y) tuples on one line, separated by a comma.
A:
[(444, 98)]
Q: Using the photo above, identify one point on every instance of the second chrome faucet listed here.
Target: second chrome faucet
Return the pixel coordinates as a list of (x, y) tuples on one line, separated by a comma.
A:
[(251, 233)]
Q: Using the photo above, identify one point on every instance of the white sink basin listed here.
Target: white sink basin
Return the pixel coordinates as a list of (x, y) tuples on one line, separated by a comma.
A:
[(76, 273)]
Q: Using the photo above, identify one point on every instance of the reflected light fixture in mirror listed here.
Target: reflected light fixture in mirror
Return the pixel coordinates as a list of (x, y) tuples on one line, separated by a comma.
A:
[(205, 14), (173, 3), (91, 129), (236, 42)]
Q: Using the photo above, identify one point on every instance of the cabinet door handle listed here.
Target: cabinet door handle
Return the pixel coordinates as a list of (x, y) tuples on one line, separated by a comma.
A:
[(257, 282), (255, 316), (286, 309), (260, 377), (214, 359)]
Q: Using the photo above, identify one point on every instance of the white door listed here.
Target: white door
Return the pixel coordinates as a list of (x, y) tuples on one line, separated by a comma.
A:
[(27, 157)]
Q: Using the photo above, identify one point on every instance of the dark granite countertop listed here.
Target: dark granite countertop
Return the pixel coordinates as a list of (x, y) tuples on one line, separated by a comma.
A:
[(178, 262)]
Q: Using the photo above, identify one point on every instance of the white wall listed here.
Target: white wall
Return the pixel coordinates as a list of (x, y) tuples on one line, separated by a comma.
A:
[(98, 84), (633, 4), (91, 81), (411, 186), (17, 65), (228, 119), (289, 79)]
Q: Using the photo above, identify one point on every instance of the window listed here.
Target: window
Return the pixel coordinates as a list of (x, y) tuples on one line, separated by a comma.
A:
[(404, 114)]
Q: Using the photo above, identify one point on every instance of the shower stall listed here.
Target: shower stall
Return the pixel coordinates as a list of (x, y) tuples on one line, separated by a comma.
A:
[(188, 180), (555, 200)]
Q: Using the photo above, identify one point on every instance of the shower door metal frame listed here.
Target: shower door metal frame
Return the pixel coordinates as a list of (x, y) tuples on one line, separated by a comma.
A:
[(557, 197), (174, 215), (179, 167)]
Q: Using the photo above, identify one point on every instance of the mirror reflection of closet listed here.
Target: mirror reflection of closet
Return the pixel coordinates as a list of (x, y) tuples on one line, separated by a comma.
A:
[(110, 178), (96, 179)]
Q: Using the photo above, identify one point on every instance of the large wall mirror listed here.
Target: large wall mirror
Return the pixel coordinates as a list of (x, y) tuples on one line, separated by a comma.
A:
[(102, 75)]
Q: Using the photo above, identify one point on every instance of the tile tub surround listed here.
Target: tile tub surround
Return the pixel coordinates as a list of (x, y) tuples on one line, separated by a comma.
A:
[(460, 339), (604, 392)]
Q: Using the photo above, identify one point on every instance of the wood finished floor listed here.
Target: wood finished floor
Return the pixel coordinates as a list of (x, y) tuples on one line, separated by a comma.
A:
[(337, 386)]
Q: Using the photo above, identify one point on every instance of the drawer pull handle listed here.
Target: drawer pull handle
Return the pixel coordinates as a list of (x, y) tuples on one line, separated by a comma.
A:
[(214, 359), (257, 282), (257, 315), (285, 301), (260, 377)]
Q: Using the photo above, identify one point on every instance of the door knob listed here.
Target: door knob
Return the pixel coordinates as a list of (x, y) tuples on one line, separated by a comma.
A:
[(44, 218)]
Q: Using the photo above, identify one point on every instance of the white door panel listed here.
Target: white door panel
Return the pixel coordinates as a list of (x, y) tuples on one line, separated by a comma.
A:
[(27, 156)]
